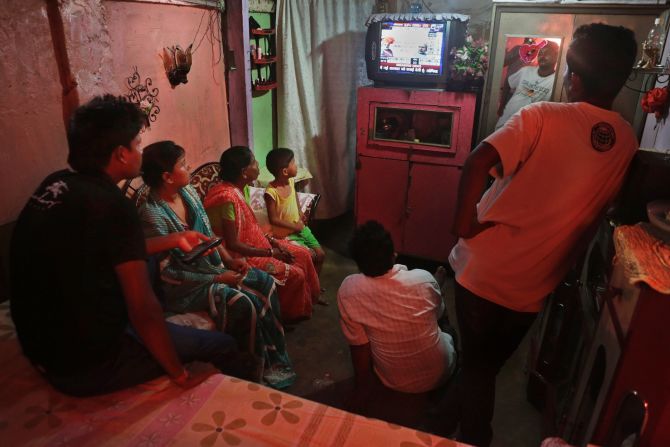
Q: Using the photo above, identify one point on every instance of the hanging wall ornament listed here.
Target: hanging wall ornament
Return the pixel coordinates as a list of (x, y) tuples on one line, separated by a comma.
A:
[(144, 95), (177, 63)]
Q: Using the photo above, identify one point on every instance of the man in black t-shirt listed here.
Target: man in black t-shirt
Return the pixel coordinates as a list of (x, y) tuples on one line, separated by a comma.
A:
[(82, 302)]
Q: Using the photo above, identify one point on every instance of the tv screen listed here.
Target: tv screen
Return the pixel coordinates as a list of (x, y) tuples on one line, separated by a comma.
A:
[(412, 47), (412, 52)]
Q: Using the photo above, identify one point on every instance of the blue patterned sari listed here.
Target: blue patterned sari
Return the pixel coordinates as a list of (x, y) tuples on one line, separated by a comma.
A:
[(250, 314)]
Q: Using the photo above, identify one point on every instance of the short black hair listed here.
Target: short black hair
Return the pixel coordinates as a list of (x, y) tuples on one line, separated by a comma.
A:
[(603, 57), (233, 161), (372, 248), (98, 127), (278, 159), (158, 158)]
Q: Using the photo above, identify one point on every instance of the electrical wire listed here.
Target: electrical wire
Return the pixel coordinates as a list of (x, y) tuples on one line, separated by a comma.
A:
[(204, 34), (648, 83), (199, 24), (215, 40), (634, 89), (220, 7)]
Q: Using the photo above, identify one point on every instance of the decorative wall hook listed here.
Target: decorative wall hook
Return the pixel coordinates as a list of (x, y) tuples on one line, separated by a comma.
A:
[(177, 63), (144, 95)]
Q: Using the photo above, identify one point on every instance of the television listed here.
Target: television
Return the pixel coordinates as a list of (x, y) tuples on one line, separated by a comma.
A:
[(413, 52)]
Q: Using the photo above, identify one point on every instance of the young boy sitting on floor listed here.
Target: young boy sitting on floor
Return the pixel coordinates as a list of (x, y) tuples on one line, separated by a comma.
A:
[(283, 207), (389, 316)]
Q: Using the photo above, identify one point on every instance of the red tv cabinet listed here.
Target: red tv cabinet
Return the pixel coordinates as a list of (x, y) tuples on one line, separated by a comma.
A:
[(410, 149)]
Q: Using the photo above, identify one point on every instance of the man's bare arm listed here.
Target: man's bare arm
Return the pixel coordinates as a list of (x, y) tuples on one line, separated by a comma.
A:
[(184, 240), (146, 315), (470, 189)]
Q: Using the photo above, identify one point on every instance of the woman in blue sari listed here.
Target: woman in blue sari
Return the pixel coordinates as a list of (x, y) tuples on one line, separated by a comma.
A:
[(242, 301)]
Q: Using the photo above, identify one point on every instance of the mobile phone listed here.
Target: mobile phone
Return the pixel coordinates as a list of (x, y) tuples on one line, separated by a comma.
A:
[(199, 249)]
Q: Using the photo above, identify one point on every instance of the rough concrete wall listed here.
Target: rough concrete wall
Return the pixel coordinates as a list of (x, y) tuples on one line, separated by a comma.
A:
[(478, 10), (89, 46), (31, 119)]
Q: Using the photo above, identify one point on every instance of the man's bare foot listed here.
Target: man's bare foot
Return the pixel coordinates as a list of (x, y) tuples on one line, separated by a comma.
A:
[(322, 301)]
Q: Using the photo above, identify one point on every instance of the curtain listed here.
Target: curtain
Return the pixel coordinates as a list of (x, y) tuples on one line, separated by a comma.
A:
[(321, 44)]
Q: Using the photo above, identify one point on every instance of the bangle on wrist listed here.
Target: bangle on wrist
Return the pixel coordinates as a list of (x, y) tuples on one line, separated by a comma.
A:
[(270, 252), (182, 378)]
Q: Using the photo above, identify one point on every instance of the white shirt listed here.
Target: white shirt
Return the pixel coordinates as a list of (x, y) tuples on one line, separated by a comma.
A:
[(562, 164), (397, 314), (529, 87)]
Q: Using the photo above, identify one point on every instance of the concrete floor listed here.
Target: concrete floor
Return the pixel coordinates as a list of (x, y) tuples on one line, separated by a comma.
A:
[(321, 355)]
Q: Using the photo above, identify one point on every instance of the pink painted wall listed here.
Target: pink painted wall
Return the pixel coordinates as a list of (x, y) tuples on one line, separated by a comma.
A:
[(31, 124), (105, 39), (194, 115)]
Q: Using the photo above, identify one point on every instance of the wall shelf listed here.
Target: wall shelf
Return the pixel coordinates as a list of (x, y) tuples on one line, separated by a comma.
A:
[(657, 70), (262, 32), (265, 87), (264, 60), (263, 57)]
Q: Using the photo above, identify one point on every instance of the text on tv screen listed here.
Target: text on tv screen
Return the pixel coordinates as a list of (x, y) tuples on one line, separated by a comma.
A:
[(411, 47)]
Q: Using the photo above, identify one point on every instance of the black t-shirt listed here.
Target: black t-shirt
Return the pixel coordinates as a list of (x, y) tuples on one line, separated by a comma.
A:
[(66, 300)]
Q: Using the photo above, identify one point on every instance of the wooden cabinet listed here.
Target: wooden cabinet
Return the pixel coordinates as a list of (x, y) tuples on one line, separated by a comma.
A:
[(411, 145), (381, 186), (604, 335), (431, 196), (639, 322)]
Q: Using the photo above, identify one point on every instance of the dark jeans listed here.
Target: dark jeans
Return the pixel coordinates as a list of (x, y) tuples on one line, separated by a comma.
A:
[(489, 336), (134, 364)]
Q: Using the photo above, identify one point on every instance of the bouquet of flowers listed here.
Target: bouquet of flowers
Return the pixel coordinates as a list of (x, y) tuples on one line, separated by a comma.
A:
[(656, 101), (471, 61)]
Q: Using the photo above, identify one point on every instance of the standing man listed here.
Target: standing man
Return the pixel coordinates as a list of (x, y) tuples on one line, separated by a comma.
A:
[(557, 166), (85, 313)]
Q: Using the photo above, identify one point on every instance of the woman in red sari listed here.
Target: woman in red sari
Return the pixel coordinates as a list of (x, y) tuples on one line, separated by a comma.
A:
[(233, 219)]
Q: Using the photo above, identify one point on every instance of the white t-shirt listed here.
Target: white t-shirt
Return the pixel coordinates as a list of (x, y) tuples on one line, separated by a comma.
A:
[(529, 87), (561, 165), (397, 314)]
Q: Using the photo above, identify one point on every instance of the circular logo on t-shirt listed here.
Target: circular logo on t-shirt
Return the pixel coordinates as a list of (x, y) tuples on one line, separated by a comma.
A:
[(603, 136)]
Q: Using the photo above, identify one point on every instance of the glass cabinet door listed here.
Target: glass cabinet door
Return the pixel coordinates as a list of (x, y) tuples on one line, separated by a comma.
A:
[(416, 126)]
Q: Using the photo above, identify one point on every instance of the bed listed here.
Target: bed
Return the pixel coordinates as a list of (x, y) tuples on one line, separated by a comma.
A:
[(222, 411)]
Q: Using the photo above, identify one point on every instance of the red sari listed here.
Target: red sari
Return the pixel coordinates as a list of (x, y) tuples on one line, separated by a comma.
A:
[(299, 282)]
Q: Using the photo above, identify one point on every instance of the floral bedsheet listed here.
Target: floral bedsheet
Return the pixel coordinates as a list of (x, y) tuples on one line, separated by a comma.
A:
[(222, 411)]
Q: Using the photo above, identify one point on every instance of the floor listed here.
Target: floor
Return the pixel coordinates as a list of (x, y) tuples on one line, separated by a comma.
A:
[(321, 355)]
